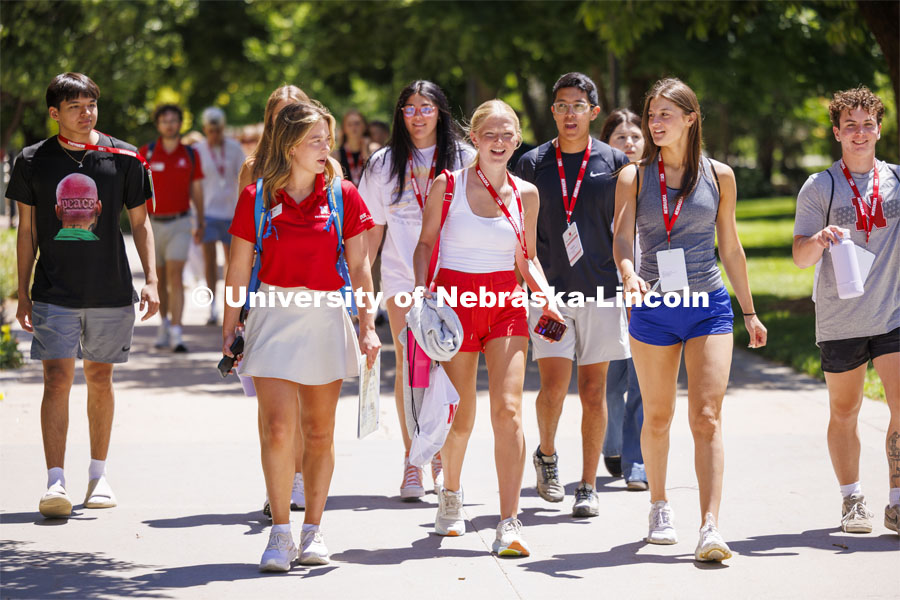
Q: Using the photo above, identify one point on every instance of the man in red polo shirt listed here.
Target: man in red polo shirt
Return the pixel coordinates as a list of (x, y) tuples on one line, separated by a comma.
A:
[(177, 176)]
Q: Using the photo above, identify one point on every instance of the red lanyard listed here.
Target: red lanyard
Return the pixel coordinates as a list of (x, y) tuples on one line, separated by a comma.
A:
[(122, 151), (220, 167), (870, 216), (415, 184), (562, 179), (520, 232), (664, 194)]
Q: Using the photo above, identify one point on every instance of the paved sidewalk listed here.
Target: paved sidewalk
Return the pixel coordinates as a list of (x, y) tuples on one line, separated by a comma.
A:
[(185, 465)]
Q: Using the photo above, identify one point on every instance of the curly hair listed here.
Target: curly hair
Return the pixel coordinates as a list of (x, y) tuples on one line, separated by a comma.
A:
[(860, 97)]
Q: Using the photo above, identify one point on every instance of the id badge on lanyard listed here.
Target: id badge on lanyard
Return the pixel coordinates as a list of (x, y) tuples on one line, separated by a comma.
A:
[(670, 263), (572, 241)]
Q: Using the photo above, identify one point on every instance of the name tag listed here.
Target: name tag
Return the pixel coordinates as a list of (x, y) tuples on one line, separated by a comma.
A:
[(573, 244), (672, 270), (276, 210), (158, 166)]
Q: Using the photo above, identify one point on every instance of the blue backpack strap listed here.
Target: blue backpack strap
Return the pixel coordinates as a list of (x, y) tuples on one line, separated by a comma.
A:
[(259, 213), (150, 148), (336, 204)]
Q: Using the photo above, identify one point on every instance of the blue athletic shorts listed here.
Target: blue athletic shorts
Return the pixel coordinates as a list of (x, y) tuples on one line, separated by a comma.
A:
[(216, 230), (665, 326)]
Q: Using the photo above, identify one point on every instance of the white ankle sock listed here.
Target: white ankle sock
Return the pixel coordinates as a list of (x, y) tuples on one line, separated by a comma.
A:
[(309, 527), (56, 474), (894, 497), (97, 469), (165, 322), (286, 528), (850, 489)]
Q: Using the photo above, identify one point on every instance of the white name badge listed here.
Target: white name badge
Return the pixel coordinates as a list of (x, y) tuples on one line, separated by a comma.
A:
[(865, 259), (157, 167), (672, 270), (276, 210), (573, 244)]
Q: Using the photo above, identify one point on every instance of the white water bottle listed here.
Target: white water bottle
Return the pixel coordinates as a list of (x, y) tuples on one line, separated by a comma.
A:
[(846, 267)]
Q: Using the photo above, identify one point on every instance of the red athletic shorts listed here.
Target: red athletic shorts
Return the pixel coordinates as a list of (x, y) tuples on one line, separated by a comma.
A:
[(482, 323)]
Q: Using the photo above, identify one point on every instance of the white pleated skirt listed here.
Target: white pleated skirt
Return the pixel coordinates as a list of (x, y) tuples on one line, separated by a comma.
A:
[(311, 345)]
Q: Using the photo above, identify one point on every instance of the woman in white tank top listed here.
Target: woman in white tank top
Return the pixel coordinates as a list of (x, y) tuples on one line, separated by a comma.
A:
[(489, 228)]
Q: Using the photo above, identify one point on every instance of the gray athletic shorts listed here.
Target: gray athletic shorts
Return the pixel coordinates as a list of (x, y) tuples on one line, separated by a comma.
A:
[(594, 334), (172, 239), (96, 334)]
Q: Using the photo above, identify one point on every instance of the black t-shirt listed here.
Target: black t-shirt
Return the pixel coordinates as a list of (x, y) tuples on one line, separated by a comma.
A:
[(593, 213), (81, 251)]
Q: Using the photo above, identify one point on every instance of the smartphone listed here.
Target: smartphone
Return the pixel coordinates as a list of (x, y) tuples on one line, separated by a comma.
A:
[(550, 328), (225, 365)]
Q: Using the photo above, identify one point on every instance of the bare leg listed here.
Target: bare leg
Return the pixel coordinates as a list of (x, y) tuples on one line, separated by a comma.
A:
[(211, 267), (845, 399), (592, 391), (708, 362), (397, 319), (100, 406), (163, 289), (888, 368), (278, 415), (555, 376), (657, 371), (174, 271), (462, 371), (58, 376), (505, 358), (318, 405)]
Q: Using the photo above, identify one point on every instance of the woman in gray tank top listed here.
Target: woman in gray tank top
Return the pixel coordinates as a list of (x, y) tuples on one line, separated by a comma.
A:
[(680, 202)]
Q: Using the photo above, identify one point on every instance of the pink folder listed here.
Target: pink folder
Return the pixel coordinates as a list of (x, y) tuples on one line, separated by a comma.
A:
[(419, 365)]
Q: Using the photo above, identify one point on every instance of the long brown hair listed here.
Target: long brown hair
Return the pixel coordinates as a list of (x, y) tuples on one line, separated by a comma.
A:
[(683, 97), (291, 127), (616, 118), (285, 92)]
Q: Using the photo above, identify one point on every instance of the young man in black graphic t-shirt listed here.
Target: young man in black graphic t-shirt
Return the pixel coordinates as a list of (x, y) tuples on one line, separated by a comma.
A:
[(82, 302)]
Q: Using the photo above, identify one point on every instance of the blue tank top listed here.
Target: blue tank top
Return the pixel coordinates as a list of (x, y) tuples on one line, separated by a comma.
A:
[(694, 231)]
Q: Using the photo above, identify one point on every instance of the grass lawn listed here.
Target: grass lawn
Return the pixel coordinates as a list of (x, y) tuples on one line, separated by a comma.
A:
[(781, 291)]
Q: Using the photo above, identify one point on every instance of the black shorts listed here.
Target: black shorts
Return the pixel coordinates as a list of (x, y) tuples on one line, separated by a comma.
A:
[(840, 356)]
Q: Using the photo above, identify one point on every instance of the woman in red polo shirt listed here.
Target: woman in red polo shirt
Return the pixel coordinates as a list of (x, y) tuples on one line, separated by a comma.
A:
[(297, 349)]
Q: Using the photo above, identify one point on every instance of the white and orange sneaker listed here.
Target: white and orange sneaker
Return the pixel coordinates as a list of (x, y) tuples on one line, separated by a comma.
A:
[(509, 540)]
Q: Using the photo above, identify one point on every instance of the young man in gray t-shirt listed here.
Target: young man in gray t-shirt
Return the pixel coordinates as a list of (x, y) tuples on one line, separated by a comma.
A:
[(861, 195)]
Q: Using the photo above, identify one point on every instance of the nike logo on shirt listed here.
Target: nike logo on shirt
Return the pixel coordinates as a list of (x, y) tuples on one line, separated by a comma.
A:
[(592, 174)]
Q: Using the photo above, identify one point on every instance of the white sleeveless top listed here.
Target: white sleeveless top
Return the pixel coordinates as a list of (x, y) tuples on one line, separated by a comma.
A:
[(474, 244)]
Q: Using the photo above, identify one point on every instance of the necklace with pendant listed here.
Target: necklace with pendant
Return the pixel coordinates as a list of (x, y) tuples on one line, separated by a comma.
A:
[(80, 162)]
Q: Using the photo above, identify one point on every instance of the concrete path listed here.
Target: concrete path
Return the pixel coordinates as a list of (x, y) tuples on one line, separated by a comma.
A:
[(185, 466)]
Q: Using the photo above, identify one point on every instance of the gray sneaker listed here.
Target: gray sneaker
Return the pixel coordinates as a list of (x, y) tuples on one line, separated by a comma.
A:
[(855, 517), (891, 517), (547, 470), (587, 504)]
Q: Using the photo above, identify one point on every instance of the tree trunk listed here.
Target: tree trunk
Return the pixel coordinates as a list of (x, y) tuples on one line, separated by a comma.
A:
[(13, 124), (765, 149), (533, 109), (883, 19)]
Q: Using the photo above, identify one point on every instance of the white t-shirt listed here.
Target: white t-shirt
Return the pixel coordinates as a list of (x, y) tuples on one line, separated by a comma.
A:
[(221, 167), (400, 211)]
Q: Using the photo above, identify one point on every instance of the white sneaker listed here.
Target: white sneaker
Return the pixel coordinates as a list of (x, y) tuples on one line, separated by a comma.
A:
[(298, 497), (99, 494), (855, 516), (280, 553), (411, 488), (55, 503), (662, 527), (711, 546), (312, 548), (162, 337), (509, 541), (437, 472), (449, 520)]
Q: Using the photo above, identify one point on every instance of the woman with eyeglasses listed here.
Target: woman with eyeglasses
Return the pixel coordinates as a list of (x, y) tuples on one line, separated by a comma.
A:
[(682, 203), (397, 179)]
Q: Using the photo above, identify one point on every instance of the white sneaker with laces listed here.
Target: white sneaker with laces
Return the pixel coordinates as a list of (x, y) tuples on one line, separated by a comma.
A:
[(449, 520), (312, 548), (55, 503), (855, 515), (298, 496), (509, 541), (711, 546), (162, 337), (411, 488), (99, 494), (662, 527), (280, 553)]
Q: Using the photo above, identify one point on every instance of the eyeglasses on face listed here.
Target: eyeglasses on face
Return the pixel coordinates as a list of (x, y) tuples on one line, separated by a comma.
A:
[(426, 110), (562, 108)]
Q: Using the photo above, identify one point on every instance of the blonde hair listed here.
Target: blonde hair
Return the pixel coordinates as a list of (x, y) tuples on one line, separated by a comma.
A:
[(286, 92), (291, 127), (488, 109)]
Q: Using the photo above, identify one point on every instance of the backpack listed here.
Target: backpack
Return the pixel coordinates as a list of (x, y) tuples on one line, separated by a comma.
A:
[(262, 218)]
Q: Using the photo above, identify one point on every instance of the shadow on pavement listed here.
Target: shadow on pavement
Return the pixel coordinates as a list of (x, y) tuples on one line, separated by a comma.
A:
[(563, 565), (255, 521), (421, 549), (832, 539), (42, 574), (200, 575), (42, 521)]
